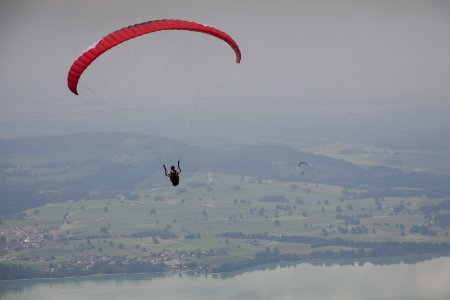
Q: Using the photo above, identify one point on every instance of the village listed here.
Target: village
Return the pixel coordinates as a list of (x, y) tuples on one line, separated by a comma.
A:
[(30, 237)]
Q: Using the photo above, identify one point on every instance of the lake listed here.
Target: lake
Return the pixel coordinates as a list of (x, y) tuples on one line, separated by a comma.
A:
[(423, 280)]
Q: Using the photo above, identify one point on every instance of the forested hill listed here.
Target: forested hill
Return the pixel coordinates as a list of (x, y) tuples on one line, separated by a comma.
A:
[(37, 170)]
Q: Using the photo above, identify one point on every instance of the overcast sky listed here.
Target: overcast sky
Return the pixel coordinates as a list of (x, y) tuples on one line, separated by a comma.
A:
[(298, 56)]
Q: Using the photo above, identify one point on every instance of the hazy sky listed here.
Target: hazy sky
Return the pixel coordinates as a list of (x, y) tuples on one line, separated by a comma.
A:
[(298, 56)]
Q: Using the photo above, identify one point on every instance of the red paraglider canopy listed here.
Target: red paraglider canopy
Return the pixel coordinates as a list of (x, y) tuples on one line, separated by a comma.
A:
[(113, 39)]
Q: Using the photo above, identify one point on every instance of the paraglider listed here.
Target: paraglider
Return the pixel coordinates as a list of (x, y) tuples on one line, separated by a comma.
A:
[(301, 164), (113, 39), (173, 174)]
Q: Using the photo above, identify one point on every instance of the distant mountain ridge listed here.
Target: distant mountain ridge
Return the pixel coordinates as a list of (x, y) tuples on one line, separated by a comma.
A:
[(110, 163)]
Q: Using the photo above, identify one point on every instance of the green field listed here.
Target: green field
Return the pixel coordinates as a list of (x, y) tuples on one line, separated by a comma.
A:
[(207, 205)]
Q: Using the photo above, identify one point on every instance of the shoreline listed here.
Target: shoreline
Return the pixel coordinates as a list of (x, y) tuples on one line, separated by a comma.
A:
[(388, 260)]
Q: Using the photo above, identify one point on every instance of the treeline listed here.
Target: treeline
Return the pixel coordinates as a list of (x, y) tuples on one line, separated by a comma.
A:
[(422, 229), (17, 199), (274, 256), (273, 198), (10, 272), (15, 271), (163, 234), (386, 248), (427, 210), (264, 257), (376, 249)]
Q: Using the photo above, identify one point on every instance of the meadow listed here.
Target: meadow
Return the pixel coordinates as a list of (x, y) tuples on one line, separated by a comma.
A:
[(192, 216)]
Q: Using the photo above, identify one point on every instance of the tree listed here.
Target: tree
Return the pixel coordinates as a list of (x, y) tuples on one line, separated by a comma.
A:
[(261, 211)]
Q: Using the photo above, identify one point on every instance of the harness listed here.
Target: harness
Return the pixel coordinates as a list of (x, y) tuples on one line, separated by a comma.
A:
[(174, 178)]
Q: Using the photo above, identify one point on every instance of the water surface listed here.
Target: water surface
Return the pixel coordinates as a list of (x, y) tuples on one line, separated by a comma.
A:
[(423, 280)]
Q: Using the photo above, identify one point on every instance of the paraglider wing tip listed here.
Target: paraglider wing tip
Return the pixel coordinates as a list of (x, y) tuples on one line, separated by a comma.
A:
[(71, 86), (74, 91)]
